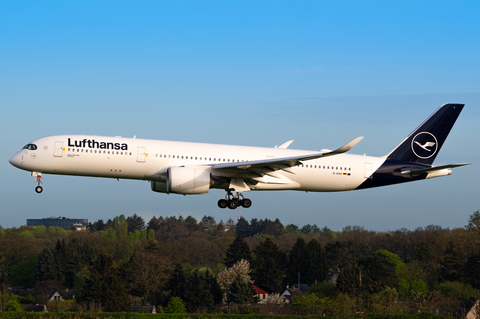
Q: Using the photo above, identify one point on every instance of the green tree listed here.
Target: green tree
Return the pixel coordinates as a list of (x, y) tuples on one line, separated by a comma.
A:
[(177, 283), (348, 281), (457, 290), (21, 274), (384, 302), (61, 257), (77, 256), (336, 253), (237, 251), (274, 228), (472, 271), (14, 306), (208, 224), (243, 228), (104, 287), (474, 222), (452, 264), (194, 294), (297, 262), (175, 305), (291, 228), (317, 268), (212, 286), (46, 268), (147, 272), (153, 224), (241, 291), (135, 222), (380, 272), (310, 304), (191, 224), (269, 265)]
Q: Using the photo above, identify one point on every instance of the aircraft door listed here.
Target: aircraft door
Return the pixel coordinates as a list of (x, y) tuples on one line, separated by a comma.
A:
[(141, 154), (58, 149), (368, 170)]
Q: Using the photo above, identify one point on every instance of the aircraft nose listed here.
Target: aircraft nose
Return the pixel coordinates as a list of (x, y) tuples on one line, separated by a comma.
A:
[(15, 160)]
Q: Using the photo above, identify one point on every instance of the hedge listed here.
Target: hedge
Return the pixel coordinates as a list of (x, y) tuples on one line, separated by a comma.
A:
[(107, 315)]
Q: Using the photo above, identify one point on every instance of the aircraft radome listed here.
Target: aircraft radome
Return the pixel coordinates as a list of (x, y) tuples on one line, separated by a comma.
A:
[(195, 168)]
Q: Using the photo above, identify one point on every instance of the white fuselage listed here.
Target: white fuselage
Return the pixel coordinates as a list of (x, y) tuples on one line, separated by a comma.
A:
[(142, 159)]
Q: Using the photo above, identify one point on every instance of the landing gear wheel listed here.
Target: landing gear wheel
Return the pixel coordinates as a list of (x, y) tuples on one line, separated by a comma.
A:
[(246, 203), (222, 203), (39, 189), (232, 204), (233, 201)]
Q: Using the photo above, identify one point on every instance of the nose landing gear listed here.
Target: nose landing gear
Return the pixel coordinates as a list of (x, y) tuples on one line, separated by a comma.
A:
[(233, 201), (38, 179)]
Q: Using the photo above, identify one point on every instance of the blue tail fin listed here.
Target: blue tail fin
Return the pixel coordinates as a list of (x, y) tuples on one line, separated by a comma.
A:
[(423, 145)]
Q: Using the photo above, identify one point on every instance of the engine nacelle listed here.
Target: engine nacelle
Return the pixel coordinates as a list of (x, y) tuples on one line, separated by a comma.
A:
[(158, 187), (184, 180)]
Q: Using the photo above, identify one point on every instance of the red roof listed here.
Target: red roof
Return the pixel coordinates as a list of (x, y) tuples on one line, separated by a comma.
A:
[(259, 291)]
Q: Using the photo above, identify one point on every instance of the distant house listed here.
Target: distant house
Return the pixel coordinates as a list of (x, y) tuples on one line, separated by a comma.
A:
[(62, 295), (293, 291), (21, 290), (472, 307), (262, 295), (302, 287), (143, 309), (35, 308)]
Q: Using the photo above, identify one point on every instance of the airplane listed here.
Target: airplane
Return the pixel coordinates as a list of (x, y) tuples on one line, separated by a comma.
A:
[(195, 168)]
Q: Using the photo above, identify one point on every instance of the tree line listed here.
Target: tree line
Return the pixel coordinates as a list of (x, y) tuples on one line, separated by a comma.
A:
[(122, 261)]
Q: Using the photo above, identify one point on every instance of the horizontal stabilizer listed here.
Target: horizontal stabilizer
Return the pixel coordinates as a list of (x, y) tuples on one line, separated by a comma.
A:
[(432, 169)]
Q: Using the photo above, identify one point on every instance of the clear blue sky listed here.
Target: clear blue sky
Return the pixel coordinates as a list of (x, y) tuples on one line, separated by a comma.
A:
[(246, 73)]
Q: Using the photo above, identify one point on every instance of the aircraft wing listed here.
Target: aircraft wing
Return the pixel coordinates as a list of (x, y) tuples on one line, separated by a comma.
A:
[(264, 171), (286, 161)]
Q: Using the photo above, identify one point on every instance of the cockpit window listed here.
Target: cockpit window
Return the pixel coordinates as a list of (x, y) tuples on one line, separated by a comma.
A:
[(31, 147)]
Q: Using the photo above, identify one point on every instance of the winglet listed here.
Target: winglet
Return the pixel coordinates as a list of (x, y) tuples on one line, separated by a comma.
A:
[(346, 147), (285, 145)]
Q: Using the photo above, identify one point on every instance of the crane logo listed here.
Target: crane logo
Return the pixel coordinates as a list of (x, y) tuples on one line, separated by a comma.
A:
[(424, 145)]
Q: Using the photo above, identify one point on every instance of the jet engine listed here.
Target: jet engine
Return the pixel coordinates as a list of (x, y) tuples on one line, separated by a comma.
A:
[(184, 180)]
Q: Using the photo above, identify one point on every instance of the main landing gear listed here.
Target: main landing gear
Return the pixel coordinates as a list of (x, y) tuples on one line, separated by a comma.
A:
[(233, 202), (38, 179)]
